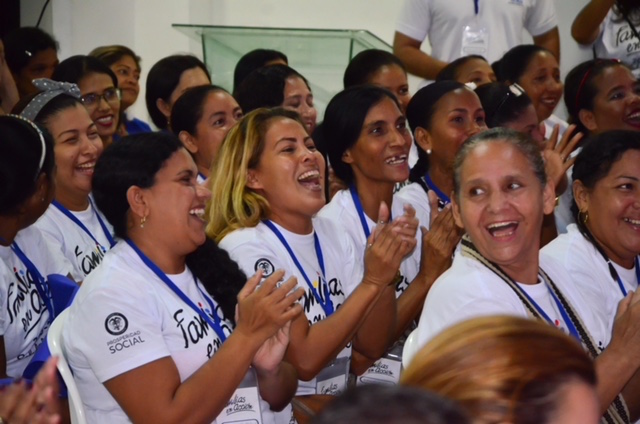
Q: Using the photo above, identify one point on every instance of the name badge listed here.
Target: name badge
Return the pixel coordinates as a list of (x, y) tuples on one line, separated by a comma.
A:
[(475, 38), (385, 370), (332, 380), (244, 405)]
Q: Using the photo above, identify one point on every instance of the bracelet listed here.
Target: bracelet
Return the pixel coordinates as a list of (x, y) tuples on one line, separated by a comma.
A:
[(397, 279)]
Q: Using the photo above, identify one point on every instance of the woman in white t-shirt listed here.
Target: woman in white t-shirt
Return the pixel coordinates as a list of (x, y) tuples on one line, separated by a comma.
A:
[(26, 259), (268, 185), (201, 118), (72, 221), (501, 195), (150, 335), (611, 28), (600, 252)]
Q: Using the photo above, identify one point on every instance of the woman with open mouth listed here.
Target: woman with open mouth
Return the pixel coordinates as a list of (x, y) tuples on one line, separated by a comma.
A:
[(154, 326), (72, 222), (600, 251), (501, 194), (368, 146), (268, 186), (99, 91), (537, 71)]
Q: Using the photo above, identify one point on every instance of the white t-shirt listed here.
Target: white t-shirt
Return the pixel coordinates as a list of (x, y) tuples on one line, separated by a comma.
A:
[(589, 271), (24, 319), (469, 290), (617, 41), (76, 245), (415, 195), (342, 211), (259, 248), (442, 22), (124, 317)]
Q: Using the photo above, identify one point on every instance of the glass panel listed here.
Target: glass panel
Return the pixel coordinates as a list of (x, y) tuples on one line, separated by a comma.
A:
[(320, 55)]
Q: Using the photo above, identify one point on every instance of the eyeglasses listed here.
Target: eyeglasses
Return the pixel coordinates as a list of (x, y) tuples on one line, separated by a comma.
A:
[(110, 95)]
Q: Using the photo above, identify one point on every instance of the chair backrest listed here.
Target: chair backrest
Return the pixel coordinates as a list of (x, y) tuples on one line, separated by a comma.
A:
[(54, 340), (410, 348)]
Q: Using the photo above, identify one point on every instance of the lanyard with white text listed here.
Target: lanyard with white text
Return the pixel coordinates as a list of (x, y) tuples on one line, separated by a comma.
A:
[(327, 304), (41, 284), (76, 221), (441, 196), (215, 324)]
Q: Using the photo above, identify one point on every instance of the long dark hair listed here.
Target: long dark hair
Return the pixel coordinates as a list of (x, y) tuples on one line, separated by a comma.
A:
[(135, 160)]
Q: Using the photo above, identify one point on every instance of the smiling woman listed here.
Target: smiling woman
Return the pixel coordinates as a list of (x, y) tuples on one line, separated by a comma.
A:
[(153, 329), (501, 194), (99, 91), (268, 185), (72, 221)]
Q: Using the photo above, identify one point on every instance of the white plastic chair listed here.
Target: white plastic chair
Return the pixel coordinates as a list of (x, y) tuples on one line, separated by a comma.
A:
[(54, 340), (410, 348)]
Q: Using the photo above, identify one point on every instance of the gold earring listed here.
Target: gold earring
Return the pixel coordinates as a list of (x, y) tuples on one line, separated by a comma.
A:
[(142, 221), (583, 217)]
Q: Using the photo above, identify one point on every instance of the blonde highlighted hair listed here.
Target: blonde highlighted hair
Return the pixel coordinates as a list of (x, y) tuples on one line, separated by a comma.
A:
[(233, 205), (501, 369)]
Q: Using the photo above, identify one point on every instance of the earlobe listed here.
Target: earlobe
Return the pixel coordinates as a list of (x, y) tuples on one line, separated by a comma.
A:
[(137, 201), (455, 209), (548, 198), (588, 119), (253, 182), (347, 157), (423, 138), (581, 196), (188, 142), (164, 108)]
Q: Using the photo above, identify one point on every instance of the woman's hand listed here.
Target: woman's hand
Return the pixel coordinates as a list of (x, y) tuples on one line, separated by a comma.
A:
[(387, 246), (557, 156), (439, 242), (271, 352), (36, 405), (263, 311)]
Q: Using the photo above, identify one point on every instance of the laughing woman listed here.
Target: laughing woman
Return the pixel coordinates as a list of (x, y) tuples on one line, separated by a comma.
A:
[(150, 335), (72, 221), (267, 189), (501, 195), (368, 145)]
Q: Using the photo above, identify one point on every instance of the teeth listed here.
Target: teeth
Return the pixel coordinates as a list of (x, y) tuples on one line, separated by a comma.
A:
[(105, 120), (199, 212), (396, 160), (499, 225), (632, 221), (309, 175), (87, 165)]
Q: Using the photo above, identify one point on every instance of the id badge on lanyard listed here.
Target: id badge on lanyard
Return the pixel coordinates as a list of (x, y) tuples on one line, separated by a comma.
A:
[(244, 405), (332, 380), (385, 370), (475, 35)]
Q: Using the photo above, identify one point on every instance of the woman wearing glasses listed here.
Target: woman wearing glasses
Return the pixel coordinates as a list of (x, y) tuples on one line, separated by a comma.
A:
[(72, 221), (99, 88)]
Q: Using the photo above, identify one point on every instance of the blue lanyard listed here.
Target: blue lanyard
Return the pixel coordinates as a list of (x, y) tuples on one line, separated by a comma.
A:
[(327, 304), (476, 7), (41, 284), (617, 277), (201, 175), (215, 324), (565, 317), (76, 221), (445, 199), (356, 202)]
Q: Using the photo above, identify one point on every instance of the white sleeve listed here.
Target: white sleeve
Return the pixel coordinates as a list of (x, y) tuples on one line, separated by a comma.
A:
[(541, 17), (414, 19), (355, 267), (115, 332), (252, 256), (51, 260)]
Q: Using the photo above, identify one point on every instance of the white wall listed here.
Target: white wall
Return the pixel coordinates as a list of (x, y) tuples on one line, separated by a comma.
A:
[(145, 25)]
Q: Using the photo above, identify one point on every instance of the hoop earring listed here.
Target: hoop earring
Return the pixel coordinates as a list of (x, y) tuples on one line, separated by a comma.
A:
[(142, 221), (583, 217)]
